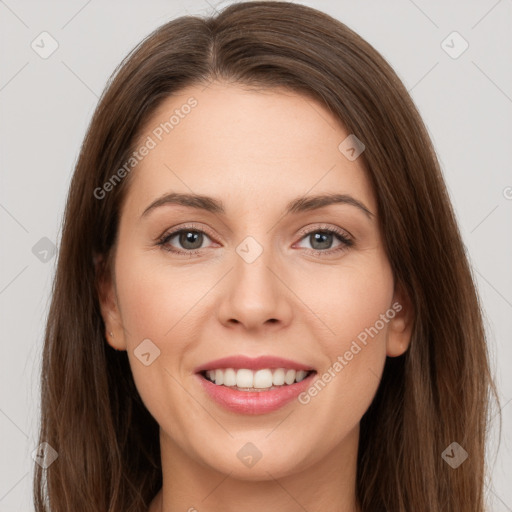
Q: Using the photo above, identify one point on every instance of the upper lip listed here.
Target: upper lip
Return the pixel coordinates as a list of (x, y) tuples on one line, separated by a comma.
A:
[(257, 363)]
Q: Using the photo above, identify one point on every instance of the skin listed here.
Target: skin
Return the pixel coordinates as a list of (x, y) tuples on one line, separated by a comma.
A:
[(255, 151)]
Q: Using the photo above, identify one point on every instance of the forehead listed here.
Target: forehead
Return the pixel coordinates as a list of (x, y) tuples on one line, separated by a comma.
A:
[(252, 148)]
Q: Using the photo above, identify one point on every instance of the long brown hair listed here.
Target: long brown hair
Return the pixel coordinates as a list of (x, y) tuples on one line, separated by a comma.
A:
[(437, 393)]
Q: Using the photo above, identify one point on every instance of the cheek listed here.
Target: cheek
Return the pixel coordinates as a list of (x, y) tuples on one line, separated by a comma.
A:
[(352, 304), (155, 301), (157, 304), (347, 299)]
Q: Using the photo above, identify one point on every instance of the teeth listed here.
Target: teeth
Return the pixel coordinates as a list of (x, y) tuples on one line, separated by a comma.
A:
[(244, 378), (278, 377), (229, 377), (262, 379), (259, 379), (301, 375), (289, 378)]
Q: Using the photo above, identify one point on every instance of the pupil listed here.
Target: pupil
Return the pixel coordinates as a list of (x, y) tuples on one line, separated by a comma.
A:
[(323, 238), (191, 237)]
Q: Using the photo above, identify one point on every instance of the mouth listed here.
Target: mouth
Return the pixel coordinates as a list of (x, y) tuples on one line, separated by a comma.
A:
[(255, 381), (257, 385), (251, 392)]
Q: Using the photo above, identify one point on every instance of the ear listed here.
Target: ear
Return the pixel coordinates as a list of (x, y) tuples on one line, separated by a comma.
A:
[(108, 303), (400, 326)]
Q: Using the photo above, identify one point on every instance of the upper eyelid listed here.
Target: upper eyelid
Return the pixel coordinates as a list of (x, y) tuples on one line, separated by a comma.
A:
[(325, 227)]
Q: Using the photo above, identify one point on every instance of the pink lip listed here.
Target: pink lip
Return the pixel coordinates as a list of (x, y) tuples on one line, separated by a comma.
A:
[(254, 402), (257, 363)]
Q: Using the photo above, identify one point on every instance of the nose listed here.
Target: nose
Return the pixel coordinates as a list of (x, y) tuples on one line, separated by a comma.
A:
[(255, 294)]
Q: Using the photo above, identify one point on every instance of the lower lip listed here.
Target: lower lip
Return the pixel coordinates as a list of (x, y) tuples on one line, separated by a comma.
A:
[(254, 402)]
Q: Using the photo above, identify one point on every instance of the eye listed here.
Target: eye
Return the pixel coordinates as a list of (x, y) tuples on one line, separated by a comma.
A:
[(189, 238), (321, 240)]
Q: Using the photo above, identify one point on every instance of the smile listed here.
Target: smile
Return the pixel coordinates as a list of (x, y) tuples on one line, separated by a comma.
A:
[(248, 380), (258, 385)]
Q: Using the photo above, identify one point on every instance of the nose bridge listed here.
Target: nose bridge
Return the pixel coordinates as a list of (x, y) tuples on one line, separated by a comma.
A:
[(255, 294)]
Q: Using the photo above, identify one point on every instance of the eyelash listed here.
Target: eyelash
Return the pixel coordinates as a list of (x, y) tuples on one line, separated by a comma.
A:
[(346, 241)]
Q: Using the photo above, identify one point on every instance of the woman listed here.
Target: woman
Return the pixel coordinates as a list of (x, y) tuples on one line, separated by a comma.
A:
[(319, 345)]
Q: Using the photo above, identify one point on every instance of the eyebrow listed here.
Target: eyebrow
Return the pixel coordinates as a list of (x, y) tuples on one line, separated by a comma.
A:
[(298, 205)]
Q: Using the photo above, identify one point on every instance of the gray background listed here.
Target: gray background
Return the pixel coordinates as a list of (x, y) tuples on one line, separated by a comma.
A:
[(46, 105)]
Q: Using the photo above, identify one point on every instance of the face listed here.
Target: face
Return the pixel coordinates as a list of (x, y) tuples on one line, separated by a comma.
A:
[(252, 276)]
